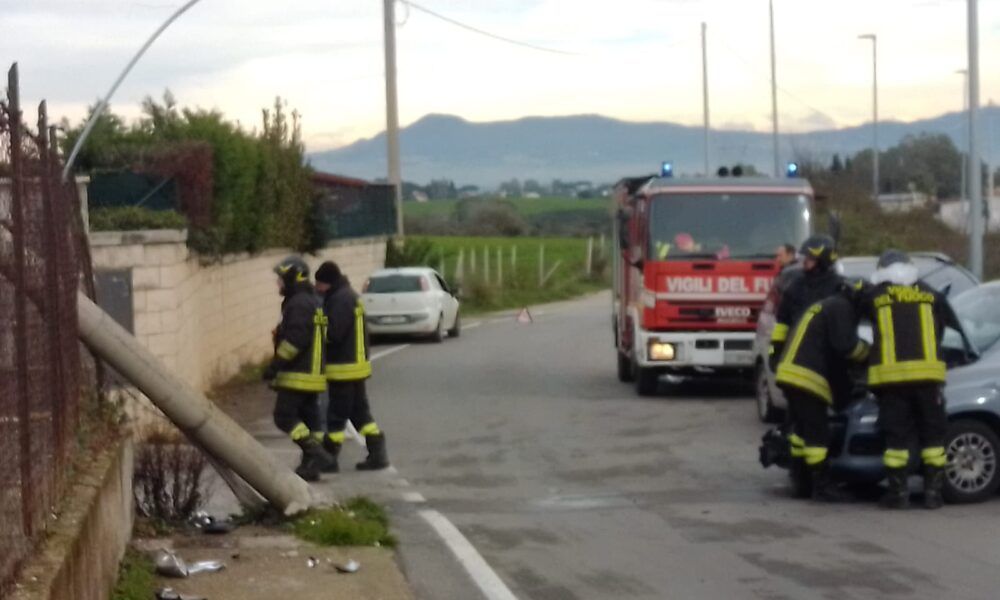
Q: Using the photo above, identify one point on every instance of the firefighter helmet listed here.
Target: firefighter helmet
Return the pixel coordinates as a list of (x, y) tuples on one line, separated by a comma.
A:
[(292, 270), (822, 249)]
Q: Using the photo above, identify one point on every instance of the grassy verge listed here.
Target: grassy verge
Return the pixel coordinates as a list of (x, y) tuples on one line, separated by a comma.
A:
[(498, 273), (359, 522), (136, 577)]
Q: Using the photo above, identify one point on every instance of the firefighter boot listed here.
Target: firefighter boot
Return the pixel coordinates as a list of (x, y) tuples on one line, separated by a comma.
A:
[(897, 496), (378, 458), (314, 459), (933, 483), (333, 449), (824, 489)]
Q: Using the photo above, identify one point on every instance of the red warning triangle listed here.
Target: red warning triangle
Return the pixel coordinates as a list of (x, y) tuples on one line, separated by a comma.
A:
[(524, 316)]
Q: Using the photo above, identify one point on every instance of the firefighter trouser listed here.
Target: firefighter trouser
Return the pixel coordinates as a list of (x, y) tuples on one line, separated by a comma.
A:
[(810, 436), (912, 411), (349, 402), (297, 414)]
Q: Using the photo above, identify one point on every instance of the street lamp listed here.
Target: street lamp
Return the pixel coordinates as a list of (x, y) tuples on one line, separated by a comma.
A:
[(875, 179)]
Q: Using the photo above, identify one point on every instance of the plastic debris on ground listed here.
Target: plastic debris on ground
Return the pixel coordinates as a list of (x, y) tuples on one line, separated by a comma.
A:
[(169, 564), (170, 594), (209, 524), (351, 566)]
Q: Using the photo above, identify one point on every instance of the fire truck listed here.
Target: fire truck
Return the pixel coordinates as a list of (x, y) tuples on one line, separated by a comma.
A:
[(696, 259)]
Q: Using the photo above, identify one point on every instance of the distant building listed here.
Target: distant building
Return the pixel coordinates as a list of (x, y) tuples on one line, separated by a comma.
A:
[(903, 202), (955, 214), (420, 196), (532, 195)]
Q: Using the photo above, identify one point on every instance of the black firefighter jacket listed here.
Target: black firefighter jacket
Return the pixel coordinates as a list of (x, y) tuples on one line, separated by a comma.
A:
[(298, 342), (347, 349), (817, 357)]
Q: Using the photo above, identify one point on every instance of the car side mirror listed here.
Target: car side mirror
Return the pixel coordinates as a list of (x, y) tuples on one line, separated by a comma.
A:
[(623, 236), (946, 290)]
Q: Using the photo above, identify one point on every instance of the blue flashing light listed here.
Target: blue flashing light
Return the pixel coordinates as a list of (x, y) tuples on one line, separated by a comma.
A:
[(667, 169), (792, 170)]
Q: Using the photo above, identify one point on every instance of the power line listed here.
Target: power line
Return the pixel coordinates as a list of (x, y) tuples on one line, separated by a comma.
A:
[(794, 97), (494, 36)]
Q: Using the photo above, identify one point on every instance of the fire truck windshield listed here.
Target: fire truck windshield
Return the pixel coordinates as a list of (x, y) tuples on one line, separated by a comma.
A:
[(725, 226)]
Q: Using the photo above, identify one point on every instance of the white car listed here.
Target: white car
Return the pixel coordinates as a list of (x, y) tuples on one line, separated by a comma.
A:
[(411, 301)]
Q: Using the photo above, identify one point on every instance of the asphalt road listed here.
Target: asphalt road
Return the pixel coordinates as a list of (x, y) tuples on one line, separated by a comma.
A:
[(571, 486)]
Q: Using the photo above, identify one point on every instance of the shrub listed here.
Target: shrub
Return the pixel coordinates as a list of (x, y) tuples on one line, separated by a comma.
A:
[(129, 218), (412, 253), (169, 485)]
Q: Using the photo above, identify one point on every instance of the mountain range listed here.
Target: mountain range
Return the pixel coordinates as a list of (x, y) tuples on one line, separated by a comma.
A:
[(601, 149)]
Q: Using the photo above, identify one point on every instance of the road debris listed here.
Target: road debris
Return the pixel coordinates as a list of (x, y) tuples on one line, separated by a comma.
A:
[(171, 594), (351, 566), (170, 564)]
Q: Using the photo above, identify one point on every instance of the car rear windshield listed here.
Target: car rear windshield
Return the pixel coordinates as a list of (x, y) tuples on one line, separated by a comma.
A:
[(747, 226), (394, 284)]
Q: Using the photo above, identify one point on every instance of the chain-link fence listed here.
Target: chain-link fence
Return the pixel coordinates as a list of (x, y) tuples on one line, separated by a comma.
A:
[(352, 208), (42, 265)]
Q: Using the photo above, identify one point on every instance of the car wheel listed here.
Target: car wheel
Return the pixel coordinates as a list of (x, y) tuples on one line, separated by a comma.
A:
[(766, 411), (625, 374), (456, 329), (438, 336), (971, 474)]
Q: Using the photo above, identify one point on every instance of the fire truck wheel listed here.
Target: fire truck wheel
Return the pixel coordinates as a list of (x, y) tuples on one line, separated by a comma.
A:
[(647, 381), (625, 374)]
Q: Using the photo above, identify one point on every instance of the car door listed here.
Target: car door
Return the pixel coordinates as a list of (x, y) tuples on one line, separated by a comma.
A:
[(448, 302)]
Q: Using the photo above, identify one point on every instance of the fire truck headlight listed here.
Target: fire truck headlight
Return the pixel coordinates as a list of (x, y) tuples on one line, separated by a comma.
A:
[(661, 350)]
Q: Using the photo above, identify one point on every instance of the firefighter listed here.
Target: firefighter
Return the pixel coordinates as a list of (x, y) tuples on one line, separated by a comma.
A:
[(347, 367), (813, 373), (906, 374), (296, 370), (817, 280)]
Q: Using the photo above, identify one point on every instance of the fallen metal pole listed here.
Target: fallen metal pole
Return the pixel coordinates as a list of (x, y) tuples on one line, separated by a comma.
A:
[(193, 413)]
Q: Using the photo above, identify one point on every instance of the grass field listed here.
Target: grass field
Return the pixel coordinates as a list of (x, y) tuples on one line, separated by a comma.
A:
[(527, 207), (515, 282)]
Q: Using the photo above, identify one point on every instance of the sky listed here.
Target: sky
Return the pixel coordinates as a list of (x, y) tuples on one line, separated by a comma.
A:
[(637, 60)]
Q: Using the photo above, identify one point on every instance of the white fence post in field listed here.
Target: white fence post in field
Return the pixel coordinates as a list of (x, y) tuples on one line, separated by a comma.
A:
[(460, 265), (541, 265), (513, 259), (500, 268), (486, 264), (551, 272), (472, 261), (590, 256), (601, 246)]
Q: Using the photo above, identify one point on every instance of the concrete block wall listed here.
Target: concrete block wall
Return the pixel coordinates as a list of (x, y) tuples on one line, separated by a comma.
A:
[(205, 320)]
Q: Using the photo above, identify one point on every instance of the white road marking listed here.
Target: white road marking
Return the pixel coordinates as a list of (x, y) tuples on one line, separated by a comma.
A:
[(389, 351), (402, 482), (391, 470), (351, 432), (472, 325), (414, 497), (485, 578)]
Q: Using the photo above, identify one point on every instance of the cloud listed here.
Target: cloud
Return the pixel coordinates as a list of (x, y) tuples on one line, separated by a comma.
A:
[(637, 59)]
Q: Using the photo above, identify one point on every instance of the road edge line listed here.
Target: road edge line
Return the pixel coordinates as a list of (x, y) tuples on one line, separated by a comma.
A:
[(485, 578)]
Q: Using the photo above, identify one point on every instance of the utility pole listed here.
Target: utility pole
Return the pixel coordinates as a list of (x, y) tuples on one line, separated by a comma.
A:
[(975, 168), (875, 177), (964, 193), (392, 111), (774, 96), (704, 90)]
